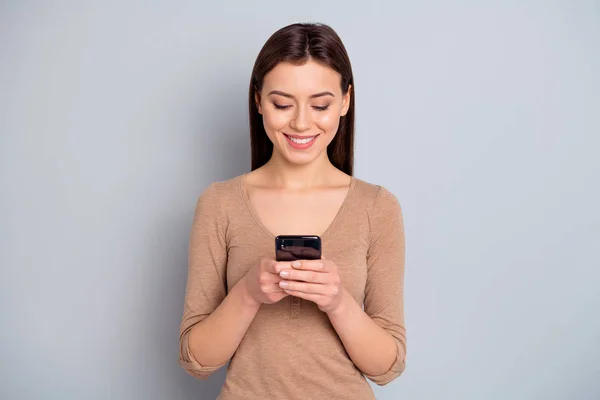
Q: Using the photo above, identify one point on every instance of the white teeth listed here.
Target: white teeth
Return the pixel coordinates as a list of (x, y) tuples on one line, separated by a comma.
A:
[(301, 141)]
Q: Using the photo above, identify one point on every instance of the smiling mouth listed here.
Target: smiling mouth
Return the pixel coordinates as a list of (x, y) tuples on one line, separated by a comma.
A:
[(300, 139)]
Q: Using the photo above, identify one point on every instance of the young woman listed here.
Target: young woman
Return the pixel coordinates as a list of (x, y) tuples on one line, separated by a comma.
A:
[(309, 328)]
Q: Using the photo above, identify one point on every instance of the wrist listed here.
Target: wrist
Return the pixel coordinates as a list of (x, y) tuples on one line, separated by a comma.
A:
[(342, 307), (244, 294)]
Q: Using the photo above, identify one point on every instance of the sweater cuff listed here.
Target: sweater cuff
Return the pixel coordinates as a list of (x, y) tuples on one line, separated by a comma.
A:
[(395, 370), (191, 365)]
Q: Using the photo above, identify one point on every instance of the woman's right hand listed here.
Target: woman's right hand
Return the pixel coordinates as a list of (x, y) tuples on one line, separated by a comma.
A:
[(261, 283)]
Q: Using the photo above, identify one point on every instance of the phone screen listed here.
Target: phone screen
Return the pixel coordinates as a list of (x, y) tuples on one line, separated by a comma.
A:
[(297, 247)]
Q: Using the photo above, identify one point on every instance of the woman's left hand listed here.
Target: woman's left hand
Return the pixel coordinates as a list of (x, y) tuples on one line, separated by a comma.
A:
[(314, 280)]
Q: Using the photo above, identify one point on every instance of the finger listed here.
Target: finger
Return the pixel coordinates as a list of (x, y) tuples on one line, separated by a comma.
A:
[(281, 265), (274, 267), (268, 265), (272, 288), (305, 287), (315, 298), (305, 276), (311, 265), (268, 278)]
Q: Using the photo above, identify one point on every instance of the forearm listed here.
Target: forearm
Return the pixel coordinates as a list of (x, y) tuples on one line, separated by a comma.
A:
[(372, 349), (214, 340)]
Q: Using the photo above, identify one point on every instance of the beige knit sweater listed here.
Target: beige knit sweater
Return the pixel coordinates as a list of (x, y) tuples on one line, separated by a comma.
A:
[(291, 350)]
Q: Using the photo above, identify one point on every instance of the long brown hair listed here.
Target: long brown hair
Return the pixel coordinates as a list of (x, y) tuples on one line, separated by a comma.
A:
[(297, 43)]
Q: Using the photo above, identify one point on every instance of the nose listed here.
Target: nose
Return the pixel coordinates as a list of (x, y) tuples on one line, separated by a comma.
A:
[(301, 121)]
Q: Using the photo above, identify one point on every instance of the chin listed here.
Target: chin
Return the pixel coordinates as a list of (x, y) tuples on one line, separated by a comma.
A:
[(301, 160)]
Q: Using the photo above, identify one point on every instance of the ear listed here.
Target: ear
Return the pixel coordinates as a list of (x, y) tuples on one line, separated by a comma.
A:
[(346, 102), (257, 101)]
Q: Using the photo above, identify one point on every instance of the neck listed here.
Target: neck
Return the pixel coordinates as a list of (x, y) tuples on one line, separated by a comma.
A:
[(290, 176)]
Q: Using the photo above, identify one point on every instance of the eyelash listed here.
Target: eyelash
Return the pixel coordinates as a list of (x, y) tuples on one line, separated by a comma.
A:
[(277, 106)]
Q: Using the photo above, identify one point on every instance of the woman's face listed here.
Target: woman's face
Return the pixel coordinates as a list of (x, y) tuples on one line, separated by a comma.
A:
[(301, 107)]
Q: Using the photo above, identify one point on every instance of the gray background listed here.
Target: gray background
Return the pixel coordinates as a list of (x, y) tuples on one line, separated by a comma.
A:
[(483, 119)]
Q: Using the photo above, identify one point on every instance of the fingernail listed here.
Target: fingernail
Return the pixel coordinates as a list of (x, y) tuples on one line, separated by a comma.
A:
[(283, 284), (284, 274), (296, 264)]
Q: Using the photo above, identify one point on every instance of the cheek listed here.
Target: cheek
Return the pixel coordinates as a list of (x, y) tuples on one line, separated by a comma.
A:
[(274, 120), (328, 122)]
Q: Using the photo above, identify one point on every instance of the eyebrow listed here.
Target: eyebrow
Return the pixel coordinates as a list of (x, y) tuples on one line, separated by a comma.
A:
[(280, 93)]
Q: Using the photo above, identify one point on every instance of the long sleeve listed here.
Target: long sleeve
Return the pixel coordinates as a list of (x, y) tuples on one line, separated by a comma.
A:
[(384, 290), (206, 281)]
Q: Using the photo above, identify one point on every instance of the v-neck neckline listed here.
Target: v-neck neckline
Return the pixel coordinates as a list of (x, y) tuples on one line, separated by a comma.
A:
[(243, 191)]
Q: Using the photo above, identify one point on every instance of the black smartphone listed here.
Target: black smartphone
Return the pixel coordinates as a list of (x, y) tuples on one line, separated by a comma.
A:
[(297, 247)]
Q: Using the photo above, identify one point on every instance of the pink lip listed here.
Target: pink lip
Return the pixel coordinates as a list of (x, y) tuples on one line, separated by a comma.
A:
[(299, 146)]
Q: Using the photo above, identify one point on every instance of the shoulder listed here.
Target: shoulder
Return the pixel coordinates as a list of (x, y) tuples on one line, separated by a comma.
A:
[(382, 209), (218, 194), (375, 198), (222, 189)]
